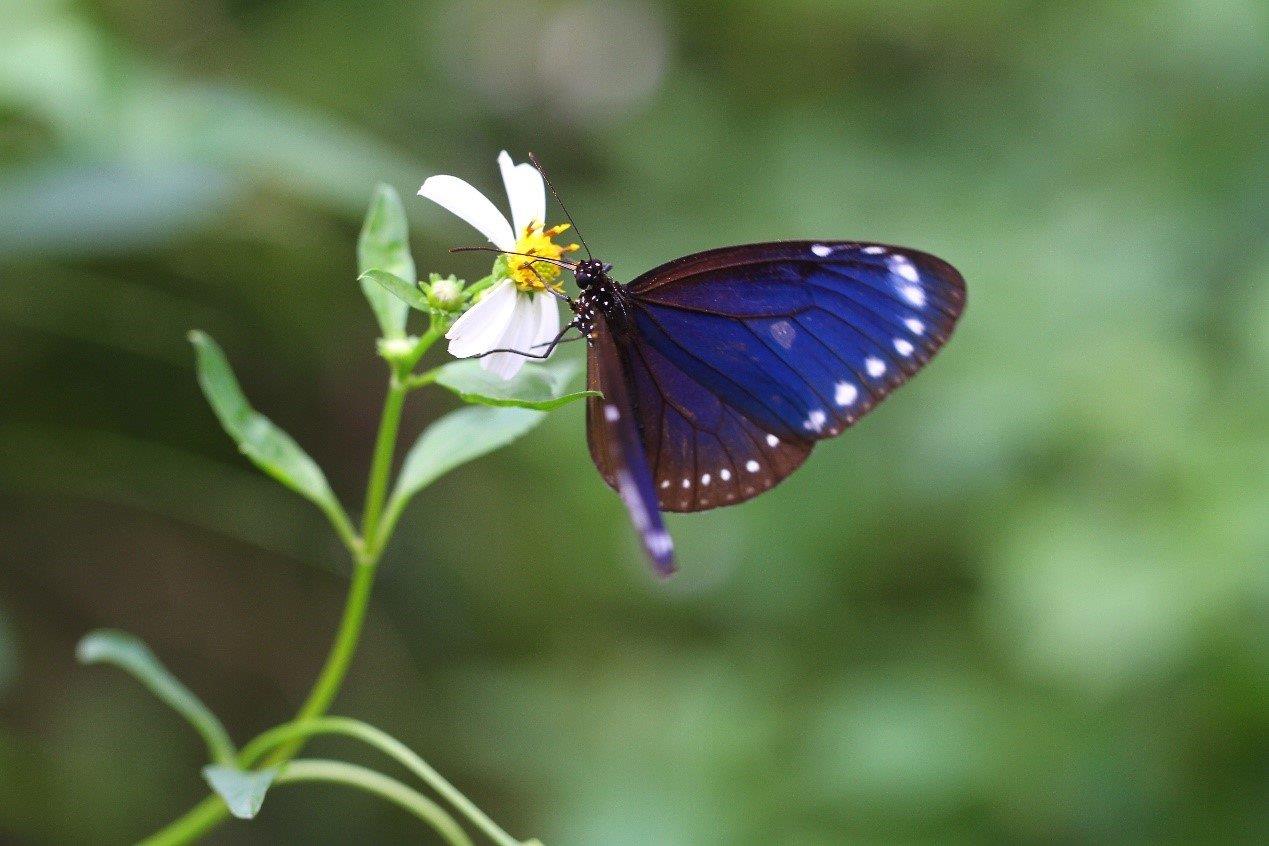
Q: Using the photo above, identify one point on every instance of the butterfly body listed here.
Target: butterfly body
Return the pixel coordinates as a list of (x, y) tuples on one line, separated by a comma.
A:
[(721, 370)]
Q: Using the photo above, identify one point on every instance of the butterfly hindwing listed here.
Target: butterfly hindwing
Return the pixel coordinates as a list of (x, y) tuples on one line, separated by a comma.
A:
[(613, 436), (702, 451)]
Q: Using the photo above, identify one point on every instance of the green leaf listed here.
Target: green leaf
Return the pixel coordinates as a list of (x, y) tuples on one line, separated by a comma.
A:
[(455, 439), (536, 386), (242, 791), (402, 290), (130, 653), (268, 447), (384, 245)]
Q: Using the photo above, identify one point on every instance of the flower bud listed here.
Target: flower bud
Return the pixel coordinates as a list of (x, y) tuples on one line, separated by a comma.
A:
[(445, 294), (398, 349)]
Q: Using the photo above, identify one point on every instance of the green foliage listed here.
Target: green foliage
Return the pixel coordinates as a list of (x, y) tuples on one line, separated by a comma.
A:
[(455, 439), (267, 446), (384, 246), (536, 386), (405, 293), (129, 653), (243, 791)]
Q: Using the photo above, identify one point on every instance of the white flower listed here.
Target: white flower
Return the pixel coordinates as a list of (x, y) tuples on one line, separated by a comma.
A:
[(518, 313)]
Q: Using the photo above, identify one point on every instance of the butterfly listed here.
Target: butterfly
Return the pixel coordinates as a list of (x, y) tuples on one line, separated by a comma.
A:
[(720, 371)]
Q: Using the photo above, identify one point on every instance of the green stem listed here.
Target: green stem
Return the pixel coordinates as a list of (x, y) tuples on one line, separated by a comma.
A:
[(338, 772), (196, 822), (366, 550), (390, 746), (481, 284), (343, 527), (421, 380), (341, 654), (435, 331), (381, 465)]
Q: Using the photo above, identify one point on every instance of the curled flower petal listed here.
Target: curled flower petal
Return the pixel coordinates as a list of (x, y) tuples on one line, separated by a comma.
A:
[(460, 198), (525, 191), (481, 328)]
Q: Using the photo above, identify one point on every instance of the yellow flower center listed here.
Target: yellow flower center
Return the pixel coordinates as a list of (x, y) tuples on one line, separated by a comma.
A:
[(530, 275)]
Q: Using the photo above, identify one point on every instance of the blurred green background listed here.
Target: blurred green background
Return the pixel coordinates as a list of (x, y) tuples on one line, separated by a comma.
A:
[(1024, 601)]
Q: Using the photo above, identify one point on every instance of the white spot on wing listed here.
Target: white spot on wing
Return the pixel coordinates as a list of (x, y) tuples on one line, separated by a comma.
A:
[(821, 250), (611, 414), (915, 326), (724, 474), (705, 477), (687, 483), (903, 267), (772, 440), (815, 420), (665, 484), (751, 466), (874, 250), (904, 347), (660, 543), (913, 294), (784, 333), (875, 367), (845, 393)]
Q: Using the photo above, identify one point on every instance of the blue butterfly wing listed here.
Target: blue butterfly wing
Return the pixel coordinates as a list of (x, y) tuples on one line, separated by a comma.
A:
[(702, 451), (741, 358), (614, 437)]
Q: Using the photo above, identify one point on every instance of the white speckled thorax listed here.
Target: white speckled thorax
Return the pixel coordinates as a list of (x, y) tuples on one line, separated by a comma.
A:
[(602, 297)]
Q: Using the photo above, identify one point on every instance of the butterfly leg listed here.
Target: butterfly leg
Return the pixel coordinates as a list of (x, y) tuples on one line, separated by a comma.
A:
[(561, 341), (550, 348), (546, 288)]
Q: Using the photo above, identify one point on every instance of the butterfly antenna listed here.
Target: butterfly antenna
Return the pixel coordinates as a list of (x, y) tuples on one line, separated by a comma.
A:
[(567, 265), (556, 195)]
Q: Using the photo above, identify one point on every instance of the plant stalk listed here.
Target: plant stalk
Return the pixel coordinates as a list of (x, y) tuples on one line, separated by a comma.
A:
[(209, 813), (280, 735), (338, 772)]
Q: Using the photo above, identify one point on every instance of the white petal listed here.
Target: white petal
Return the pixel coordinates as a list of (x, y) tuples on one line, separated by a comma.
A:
[(548, 322), (504, 365), (518, 336), (525, 191), (483, 325), (458, 197)]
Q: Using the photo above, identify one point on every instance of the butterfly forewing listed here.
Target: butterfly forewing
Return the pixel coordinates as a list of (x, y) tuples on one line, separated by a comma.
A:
[(747, 355)]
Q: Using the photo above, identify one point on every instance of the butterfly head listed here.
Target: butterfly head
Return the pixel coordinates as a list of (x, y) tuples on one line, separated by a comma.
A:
[(590, 271)]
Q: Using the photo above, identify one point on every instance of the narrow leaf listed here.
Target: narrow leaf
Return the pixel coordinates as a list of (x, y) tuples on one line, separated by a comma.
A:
[(536, 386), (404, 291), (268, 447), (384, 245), (455, 439), (130, 653), (242, 791)]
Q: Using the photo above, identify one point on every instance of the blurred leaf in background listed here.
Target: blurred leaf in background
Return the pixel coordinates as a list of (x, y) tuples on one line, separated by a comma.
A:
[(1023, 601)]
